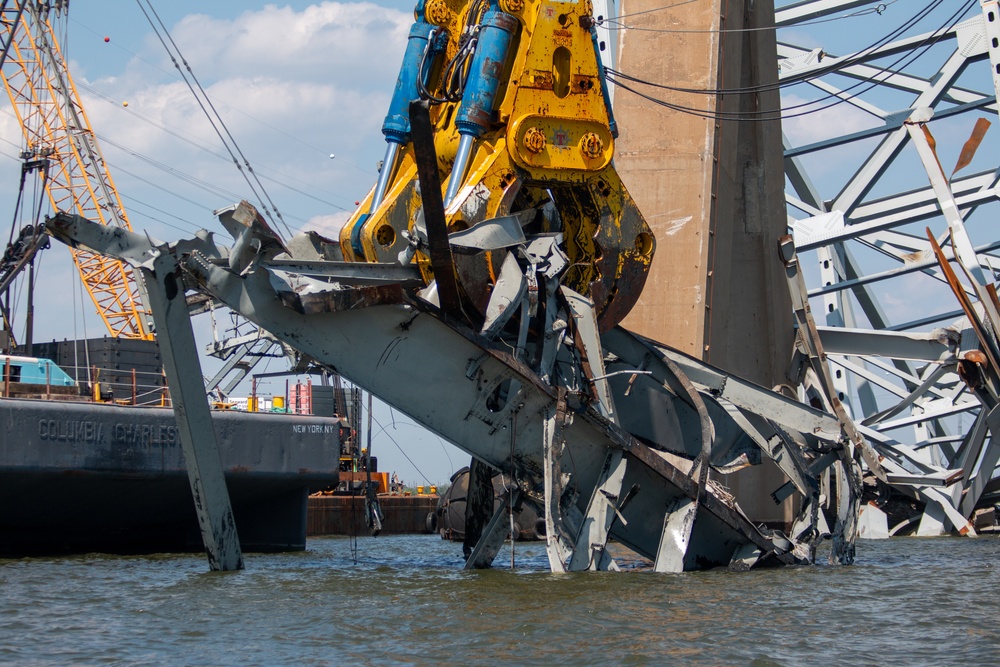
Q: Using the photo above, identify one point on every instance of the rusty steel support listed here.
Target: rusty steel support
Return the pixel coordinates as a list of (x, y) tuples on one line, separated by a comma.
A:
[(493, 534), (433, 207)]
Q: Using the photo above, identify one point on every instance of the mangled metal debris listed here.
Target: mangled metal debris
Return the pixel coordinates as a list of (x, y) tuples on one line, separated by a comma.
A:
[(947, 478), (609, 435), (488, 310)]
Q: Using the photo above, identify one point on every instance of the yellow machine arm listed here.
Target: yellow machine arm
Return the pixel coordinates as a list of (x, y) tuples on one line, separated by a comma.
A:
[(60, 143), (522, 125)]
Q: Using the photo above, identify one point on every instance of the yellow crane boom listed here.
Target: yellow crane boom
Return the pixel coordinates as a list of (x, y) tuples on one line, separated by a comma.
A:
[(57, 133)]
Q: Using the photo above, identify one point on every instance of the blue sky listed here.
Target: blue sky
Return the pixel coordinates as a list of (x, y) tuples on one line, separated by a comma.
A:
[(293, 84)]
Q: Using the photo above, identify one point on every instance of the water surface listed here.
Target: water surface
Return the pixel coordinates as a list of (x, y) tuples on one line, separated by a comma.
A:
[(406, 600)]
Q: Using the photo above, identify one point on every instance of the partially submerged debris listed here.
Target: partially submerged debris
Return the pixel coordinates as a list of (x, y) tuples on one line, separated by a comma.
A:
[(488, 310), (609, 435)]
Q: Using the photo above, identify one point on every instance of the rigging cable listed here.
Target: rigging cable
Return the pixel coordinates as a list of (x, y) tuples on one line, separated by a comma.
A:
[(193, 179), (393, 440), (648, 11), (215, 121), (777, 114), (803, 78), (618, 25), (441, 442), (311, 146), (164, 128), (190, 179)]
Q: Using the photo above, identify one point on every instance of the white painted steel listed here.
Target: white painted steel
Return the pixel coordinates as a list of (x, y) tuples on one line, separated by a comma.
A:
[(854, 227)]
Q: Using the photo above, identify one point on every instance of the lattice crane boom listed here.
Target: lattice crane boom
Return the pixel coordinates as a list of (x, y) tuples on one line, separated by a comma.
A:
[(58, 136)]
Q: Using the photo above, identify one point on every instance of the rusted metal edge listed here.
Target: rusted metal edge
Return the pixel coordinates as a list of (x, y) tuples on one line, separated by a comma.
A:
[(619, 437), (963, 299), (616, 436), (706, 422)]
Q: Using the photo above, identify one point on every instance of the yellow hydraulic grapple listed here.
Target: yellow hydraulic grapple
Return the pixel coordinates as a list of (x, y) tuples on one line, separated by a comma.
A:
[(522, 125)]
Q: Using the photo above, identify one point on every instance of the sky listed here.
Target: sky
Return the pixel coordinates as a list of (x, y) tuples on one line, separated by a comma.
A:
[(294, 83)]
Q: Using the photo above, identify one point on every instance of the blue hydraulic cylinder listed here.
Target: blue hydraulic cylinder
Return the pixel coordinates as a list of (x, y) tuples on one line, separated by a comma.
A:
[(396, 126), (612, 124), (476, 111)]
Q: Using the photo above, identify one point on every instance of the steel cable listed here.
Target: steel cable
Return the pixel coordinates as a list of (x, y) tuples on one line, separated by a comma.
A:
[(778, 114), (205, 103), (805, 78)]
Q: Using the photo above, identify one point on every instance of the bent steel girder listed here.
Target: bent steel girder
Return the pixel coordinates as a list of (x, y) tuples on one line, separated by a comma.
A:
[(860, 191), (628, 462)]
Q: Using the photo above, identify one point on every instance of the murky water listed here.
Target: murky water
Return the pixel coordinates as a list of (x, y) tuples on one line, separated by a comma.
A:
[(406, 601)]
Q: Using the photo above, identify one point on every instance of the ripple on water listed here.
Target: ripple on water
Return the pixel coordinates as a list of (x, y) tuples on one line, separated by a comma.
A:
[(406, 600)]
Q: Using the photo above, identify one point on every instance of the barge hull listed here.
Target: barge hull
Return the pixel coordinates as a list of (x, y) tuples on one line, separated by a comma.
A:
[(82, 477)]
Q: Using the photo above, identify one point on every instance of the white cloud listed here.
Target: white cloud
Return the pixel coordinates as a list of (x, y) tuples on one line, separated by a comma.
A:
[(283, 116), (327, 225), (291, 86), (898, 300), (353, 41), (807, 128)]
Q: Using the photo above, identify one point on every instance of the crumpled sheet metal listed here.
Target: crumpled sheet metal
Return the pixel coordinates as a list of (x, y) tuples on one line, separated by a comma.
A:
[(477, 392)]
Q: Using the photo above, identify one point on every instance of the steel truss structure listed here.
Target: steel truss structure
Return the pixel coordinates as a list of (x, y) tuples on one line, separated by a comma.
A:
[(869, 200)]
